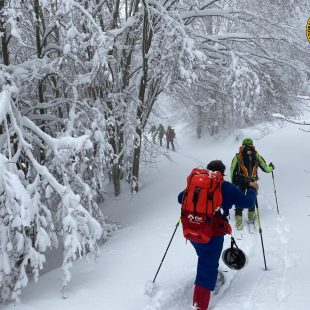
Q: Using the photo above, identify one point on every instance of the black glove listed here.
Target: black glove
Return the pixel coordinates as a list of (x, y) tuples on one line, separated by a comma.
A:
[(249, 180), (271, 165)]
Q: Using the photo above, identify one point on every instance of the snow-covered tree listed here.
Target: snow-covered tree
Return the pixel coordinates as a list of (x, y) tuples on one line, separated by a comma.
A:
[(48, 192), (254, 65), (78, 85)]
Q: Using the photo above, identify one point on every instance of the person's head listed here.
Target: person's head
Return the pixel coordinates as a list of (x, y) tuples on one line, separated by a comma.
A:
[(216, 165), (247, 141)]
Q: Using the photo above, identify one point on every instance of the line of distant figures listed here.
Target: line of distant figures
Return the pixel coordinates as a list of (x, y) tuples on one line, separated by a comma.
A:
[(160, 132)]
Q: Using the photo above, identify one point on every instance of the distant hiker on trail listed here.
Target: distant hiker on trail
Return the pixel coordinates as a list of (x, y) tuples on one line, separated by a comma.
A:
[(161, 133), (205, 203), (170, 135), (153, 131), (243, 170)]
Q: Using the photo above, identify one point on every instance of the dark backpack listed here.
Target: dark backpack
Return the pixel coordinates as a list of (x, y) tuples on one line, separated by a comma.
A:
[(201, 201), (170, 133), (247, 161)]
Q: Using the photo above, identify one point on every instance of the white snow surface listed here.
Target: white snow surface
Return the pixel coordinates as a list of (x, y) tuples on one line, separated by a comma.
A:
[(131, 257)]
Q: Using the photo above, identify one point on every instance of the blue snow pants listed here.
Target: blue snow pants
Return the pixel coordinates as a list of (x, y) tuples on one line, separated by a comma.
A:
[(208, 261)]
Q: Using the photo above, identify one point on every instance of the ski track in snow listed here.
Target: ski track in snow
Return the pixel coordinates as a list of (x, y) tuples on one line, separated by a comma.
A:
[(244, 294), (273, 280)]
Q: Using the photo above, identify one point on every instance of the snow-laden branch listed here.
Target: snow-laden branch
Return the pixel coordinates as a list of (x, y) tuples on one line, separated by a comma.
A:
[(5, 99), (227, 13), (290, 120), (76, 144), (241, 36)]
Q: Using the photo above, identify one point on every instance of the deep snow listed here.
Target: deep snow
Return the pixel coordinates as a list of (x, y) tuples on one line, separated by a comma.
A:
[(131, 257)]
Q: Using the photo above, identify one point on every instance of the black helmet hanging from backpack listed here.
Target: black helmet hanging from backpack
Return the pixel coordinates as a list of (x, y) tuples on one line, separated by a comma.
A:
[(233, 257)]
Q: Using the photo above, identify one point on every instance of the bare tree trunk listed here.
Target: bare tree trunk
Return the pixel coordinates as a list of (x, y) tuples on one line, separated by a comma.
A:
[(4, 39), (115, 139), (133, 8), (115, 14), (39, 46), (124, 66), (213, 129), (146, 40), (199, 122), (55, 82), (116, 180), (4, 44), (137, 150)]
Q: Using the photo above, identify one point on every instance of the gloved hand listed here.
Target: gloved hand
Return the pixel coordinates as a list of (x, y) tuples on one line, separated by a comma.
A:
[(254, 185), (271, 165), (248, 180)]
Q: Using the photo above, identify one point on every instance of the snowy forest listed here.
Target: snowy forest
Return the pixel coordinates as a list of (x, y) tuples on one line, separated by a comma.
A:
[(83, 81)]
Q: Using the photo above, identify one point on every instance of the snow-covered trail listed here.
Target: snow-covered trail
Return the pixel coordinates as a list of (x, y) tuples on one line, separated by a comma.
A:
[(131, 257), (286, 283), (278, 287)]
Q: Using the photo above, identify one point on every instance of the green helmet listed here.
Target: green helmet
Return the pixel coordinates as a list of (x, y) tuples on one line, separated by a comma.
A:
[(247, 141)]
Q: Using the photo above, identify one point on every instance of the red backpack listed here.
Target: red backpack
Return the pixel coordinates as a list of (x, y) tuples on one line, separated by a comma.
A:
[(201, 199)]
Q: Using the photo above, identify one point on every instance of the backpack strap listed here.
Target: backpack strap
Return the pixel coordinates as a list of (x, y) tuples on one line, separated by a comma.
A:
[(242, 166), (186, 190), (195, 198), (211, 195)]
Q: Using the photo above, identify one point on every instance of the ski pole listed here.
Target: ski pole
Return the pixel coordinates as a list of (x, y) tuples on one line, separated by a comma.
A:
[(176, 227), (261, 233), (275, 192)]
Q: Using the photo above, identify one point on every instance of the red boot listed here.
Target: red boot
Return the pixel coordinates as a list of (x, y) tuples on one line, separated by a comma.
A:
[(201, 297)]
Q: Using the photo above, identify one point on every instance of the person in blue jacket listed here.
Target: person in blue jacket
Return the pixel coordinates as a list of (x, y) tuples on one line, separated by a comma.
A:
[(209, 253)]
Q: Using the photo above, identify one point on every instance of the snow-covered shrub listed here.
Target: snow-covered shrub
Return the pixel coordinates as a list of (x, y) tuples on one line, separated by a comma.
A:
[(30, 223)]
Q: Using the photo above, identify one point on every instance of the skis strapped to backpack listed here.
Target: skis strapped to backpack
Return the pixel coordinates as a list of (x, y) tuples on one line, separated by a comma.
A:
[(202, 199)]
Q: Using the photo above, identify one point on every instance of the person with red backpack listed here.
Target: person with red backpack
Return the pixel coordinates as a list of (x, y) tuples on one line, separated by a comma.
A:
[(206, 202), (243, 169)]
